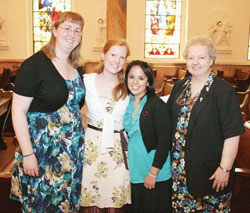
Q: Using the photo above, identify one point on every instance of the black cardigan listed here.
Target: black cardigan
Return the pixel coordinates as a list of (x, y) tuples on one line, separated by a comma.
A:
[(154, 125), (215, 117), (38, 78)]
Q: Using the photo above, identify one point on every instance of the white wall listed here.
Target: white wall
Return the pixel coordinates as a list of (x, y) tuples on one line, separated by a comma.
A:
[(18, 15), (198, 17), (200, 12), (15, 12), (237, 12), (91, 10)]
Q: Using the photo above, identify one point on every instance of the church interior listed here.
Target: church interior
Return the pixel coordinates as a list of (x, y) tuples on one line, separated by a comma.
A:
[(225, 22)]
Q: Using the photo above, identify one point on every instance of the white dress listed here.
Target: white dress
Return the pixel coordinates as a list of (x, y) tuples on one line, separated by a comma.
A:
[(106, 182)]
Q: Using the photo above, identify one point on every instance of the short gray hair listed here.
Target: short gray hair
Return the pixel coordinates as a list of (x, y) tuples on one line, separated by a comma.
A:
[(202, 41)]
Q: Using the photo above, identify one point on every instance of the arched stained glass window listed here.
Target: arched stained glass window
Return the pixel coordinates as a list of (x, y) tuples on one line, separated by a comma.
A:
[(44, 13), (163, 24)]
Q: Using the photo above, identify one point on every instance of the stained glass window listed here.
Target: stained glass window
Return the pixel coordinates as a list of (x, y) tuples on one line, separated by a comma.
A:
[(163, 24), (45, 13)]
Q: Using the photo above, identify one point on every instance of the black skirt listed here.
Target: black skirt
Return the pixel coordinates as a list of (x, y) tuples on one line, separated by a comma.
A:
[(155, 200)]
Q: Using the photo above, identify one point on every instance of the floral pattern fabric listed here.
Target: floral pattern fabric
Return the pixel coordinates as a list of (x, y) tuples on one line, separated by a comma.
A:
[(183, 201), (57, 141), (106, 182)]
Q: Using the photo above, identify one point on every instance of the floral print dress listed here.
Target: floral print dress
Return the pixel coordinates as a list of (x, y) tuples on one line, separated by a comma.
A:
[(183, 201), (57, 141), (106, 182)]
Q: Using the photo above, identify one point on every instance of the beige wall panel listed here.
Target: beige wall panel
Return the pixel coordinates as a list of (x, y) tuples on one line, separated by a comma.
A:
[(16, 16), (202, 12), (199, 15), (91, 10)]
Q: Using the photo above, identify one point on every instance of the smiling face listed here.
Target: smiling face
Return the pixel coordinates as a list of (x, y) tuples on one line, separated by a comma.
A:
[(114, 59), (198, 61), (68, 36), (137, 82)]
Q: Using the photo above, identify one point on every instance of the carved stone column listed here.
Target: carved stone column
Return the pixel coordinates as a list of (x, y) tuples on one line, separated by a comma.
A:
[(116, 18)]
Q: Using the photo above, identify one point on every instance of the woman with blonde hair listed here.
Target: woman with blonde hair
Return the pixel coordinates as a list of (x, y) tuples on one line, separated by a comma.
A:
[(106, 183), (48, 95)]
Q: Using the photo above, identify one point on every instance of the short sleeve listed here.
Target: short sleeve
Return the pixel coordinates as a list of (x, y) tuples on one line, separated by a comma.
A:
[(230, 114), (26, 82)]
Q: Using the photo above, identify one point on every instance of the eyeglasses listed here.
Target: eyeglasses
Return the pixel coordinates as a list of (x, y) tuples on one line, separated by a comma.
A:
[(181, 100), (185, 99), (77, 31)]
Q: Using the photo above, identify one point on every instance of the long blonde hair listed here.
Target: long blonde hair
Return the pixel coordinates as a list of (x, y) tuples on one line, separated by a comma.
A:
[(49, 49), (120, 91)]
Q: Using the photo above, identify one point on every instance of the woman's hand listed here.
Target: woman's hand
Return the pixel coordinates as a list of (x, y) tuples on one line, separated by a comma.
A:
[(149, 182), (20, 106), (220, 179), (229, 153), (30, 166)]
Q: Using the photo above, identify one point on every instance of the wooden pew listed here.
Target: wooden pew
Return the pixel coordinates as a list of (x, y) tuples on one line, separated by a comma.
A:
[(219, 73), (244, 100), (168, 89), (165, 87), (8, 205), (6, 158), (7, 78), (242, 80), (241, 187), (6, 167), (164, 72), (5, 105), (180, 74)]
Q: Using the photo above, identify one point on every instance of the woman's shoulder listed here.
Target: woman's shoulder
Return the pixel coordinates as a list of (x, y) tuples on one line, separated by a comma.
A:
[(154, 97), (33, 65), (89, 82), (36, 58), (179, 85), (89, 76), (222, 85), (155, 101), (181, 81)]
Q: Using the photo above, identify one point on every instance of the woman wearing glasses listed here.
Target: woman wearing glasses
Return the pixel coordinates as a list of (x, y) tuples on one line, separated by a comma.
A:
[(206, 124), (46, 116)]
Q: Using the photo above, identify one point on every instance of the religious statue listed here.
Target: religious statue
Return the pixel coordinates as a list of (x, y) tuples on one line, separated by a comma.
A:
[(220, 33), (101, 32), (3, 32)]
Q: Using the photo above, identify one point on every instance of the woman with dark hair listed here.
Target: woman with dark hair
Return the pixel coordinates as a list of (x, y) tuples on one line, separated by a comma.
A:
[(147, 125), (48, 95), (105, 183)]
